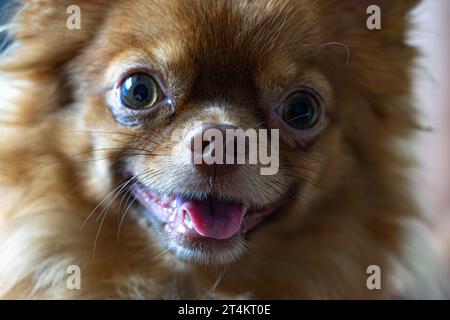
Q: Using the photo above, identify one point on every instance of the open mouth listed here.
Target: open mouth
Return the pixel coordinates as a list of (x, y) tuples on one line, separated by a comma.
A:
[(208, 219)]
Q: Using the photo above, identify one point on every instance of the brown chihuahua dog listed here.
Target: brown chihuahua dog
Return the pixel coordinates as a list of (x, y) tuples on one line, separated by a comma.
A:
[(98, 130)]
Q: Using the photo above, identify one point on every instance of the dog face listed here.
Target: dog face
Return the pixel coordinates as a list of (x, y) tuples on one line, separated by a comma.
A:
[(146, 78), (154, 87), (250, 65)]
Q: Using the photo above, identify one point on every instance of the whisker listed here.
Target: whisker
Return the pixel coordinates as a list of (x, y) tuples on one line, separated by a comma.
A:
[(123, 218), (341, 44), (105, 211), (144, 153), (212, 291), (98, 205), (161, 254), (116, 132)]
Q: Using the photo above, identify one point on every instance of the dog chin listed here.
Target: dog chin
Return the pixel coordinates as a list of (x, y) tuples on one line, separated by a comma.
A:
[(203, 230)]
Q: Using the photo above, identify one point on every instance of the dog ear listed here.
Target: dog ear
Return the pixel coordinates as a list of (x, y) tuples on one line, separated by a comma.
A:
[(380, 59), (41, 32)]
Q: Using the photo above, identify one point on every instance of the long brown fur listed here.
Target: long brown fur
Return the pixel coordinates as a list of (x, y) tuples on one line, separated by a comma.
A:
[(59, 143)]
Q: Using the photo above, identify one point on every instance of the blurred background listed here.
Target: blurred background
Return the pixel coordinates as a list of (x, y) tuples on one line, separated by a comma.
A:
[(432, 89)]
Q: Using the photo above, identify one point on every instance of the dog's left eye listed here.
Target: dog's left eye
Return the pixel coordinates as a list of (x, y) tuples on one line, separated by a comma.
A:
[(301, 110), (301, 113), (139, 91)]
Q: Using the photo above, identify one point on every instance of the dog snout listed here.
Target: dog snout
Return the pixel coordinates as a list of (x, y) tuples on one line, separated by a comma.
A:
[(216, 148)]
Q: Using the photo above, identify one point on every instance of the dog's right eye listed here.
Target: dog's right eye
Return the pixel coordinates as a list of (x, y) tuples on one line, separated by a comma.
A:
[(139, 91)]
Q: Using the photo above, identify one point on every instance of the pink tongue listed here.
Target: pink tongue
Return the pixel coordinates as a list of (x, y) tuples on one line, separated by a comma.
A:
[(214, 219)]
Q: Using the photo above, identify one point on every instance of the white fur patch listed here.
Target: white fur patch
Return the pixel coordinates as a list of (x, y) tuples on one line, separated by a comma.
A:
[(420, 274)]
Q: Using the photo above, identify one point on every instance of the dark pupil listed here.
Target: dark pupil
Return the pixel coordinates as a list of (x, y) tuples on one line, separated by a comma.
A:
[(300, 111), (138, 91)]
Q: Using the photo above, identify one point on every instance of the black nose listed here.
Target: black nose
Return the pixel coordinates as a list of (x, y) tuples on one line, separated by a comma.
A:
[(202, 144)]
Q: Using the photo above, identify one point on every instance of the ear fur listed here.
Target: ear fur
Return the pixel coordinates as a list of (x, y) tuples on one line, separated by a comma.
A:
[(42, 39)]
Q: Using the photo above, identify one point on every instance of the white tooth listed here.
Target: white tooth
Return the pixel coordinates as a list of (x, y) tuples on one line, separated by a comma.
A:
[(181, 229), (188, 221), (172, 218)]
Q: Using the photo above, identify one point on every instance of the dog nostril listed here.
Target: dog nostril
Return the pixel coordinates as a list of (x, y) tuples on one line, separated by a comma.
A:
[(202, 144)]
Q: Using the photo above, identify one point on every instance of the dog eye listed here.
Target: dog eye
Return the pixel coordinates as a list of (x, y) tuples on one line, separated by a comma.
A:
[(301, 110), (139, 91)]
